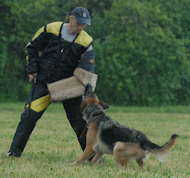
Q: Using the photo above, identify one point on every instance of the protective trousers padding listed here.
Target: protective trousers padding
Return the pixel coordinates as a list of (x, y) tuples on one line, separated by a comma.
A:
[(72, 108), (29, 118)]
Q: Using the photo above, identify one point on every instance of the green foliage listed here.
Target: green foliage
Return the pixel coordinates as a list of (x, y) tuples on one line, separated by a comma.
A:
[(143, 61), (142, 47)]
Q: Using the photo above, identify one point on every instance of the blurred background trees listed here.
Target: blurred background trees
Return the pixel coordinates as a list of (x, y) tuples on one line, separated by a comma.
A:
[(142, 47)]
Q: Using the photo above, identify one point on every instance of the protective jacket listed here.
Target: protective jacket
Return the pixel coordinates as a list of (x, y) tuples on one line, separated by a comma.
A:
[(53, 58)]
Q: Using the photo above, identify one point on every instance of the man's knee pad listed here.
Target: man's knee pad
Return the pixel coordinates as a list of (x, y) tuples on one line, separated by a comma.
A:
[(35, 109), (40, 104)]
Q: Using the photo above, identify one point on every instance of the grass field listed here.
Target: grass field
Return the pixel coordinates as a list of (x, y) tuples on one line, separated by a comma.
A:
[(52, 147)]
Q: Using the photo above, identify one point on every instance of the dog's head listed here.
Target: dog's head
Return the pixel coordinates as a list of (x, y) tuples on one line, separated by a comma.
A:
[(91, 98)]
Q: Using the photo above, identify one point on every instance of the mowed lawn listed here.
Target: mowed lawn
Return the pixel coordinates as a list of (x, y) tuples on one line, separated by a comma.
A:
[(53, 147)]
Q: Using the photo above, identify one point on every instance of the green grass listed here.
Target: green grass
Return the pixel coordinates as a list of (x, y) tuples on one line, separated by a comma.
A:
[(52, 147)]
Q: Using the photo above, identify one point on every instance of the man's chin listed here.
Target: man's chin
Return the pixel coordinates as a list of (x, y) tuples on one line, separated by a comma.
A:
[(74, 32)]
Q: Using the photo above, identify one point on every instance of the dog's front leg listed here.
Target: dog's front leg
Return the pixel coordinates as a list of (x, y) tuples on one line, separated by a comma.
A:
[(85, 155), (140, 162), (97, 157)]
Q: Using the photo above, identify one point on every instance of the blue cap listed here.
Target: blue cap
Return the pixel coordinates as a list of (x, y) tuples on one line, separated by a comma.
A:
[(82, 15)]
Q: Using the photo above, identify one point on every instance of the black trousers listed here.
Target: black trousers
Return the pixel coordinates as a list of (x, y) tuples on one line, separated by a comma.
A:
[(35, 107)]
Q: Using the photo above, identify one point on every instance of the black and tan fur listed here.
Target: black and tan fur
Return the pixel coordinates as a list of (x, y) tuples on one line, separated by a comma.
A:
[(105, 136)]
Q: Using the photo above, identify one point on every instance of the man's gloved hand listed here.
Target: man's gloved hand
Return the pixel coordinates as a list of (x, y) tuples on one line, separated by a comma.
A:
[(32, 77)]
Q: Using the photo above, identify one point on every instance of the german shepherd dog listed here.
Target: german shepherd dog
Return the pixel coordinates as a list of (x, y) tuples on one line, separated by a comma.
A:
[(105, 136)]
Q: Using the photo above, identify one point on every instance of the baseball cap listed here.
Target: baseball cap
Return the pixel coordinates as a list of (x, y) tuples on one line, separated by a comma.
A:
[(82, 15)]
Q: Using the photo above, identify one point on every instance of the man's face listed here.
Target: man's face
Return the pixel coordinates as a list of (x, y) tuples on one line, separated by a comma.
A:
[(74, 26)]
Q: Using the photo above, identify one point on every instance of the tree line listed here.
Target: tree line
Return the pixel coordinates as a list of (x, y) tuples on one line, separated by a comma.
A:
[(142, 47)]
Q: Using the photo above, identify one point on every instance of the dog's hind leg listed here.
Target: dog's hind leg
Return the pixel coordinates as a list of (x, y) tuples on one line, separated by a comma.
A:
[(121, 162), (119, 154)]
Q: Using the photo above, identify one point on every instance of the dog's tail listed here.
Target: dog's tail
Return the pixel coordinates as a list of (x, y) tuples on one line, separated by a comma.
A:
[(161, 152)]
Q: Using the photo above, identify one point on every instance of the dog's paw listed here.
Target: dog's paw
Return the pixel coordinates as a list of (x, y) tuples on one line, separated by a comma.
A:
[(77, 162), (74, 163)]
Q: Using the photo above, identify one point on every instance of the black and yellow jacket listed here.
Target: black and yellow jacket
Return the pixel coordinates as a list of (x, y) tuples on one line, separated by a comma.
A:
[(54, 58)]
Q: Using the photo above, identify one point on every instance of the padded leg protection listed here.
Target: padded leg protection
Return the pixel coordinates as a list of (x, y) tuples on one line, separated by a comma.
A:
[(23, 131), (72, 108)]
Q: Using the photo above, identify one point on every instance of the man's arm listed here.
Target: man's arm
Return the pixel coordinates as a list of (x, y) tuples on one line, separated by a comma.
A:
[(33, 49), (87, 60)]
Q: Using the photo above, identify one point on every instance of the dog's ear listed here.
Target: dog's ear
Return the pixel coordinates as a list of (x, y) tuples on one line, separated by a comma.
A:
[(104, 105)]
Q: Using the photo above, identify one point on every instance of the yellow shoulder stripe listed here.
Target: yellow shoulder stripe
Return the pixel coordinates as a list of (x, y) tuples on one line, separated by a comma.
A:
[(54, 27), (38, 33), (83, 39), (40, 104)]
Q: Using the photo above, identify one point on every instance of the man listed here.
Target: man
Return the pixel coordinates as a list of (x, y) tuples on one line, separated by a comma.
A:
[(55, 51)]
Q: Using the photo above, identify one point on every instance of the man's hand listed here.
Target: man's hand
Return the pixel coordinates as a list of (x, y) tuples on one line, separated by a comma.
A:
[(32, 77)]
